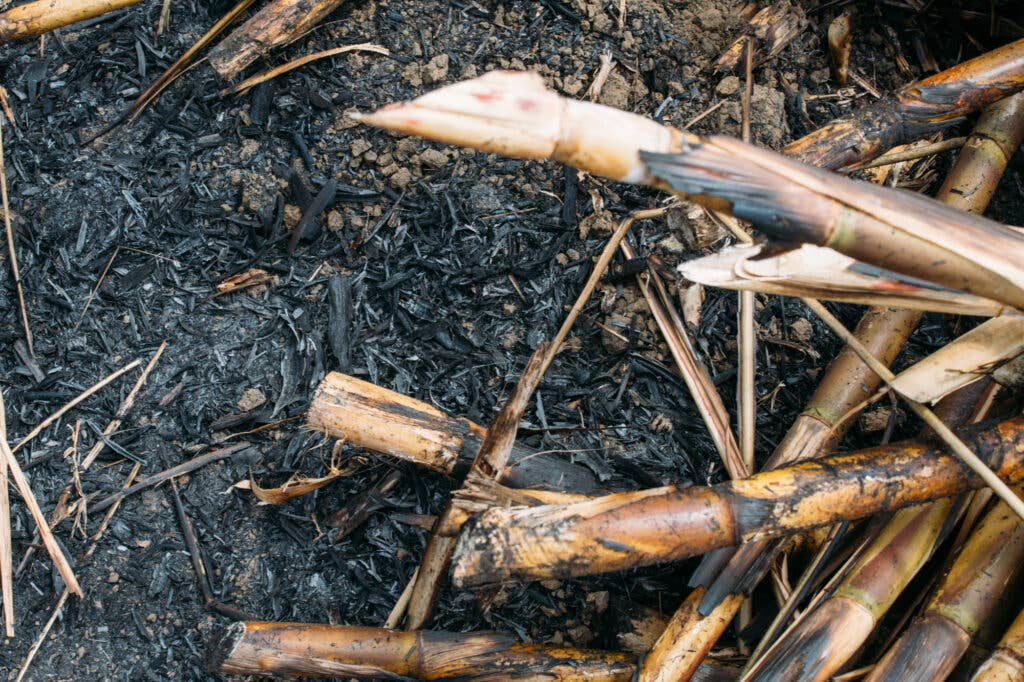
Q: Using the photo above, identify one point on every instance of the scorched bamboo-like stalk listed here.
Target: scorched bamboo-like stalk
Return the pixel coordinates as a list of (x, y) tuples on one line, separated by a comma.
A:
[(305, 650), (381, 420), (915, 110), (42, 16), (627, 530)]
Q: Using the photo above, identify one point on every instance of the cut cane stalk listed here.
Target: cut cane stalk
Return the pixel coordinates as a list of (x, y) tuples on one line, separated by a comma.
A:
[(968, 594), (278, 23), (307, 650), (1006, 664), (42, 16), (627, 530), (915, 110), (374, 418)]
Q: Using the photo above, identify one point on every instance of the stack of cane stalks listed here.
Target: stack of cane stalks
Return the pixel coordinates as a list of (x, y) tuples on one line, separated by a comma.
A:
[(866, 522)]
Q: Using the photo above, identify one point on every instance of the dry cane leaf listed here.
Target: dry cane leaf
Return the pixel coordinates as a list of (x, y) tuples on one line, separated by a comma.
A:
[(964, 360), (295, 486), (820, 272)]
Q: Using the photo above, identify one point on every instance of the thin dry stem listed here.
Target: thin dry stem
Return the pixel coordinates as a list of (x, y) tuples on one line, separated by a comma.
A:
[(75, 401), (11, 251), (124, 407), (270, 74), (59, 560)]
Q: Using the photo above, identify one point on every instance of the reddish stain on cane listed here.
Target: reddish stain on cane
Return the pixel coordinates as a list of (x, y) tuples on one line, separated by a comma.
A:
[(526, 104), (488, 96)]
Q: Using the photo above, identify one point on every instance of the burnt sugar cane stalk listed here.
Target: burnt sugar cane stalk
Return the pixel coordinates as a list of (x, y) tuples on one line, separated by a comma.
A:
[(381, 420), (915, 110), (515, 115), (705, 614), (1006, 664), (627, 530), (898, 231), (307, 650), (42, 16), (968, 594), (278, 23)]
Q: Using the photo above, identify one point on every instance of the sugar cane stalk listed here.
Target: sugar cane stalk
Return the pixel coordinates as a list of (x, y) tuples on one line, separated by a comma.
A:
[(968, 594), (915, 110), (513, 114), (42, 16), (307, 650), (627, 530), (375, 418)]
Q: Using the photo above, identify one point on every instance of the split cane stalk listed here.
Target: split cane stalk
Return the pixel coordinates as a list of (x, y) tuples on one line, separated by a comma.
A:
[(703, 617), (377, 419), (306, 650), (627, 530), (915, 110), (1006, 664), (278, 23), (968, 594), (42, 16)]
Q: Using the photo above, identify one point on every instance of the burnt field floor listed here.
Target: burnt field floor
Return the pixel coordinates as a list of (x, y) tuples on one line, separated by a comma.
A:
[(461, 264)]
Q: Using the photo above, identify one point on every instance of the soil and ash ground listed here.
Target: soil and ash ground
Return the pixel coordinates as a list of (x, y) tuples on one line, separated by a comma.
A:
[(461, 264)]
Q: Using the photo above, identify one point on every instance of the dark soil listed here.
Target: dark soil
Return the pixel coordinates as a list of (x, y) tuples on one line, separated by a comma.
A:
[(461, 264)]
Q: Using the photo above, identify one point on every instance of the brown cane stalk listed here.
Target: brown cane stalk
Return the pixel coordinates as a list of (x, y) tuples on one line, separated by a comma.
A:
[(278, 23), (307, 650), (966, 597), (42, 16), (627, 530), (377, 419), (915, 110)]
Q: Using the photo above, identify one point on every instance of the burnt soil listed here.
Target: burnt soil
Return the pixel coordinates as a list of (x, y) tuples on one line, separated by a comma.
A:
[(461, 263)]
